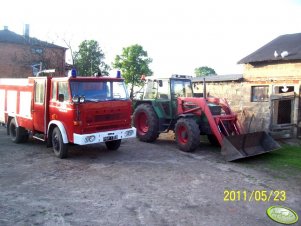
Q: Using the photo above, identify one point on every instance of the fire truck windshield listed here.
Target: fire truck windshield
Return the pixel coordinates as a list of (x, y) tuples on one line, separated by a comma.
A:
[(95, 91)]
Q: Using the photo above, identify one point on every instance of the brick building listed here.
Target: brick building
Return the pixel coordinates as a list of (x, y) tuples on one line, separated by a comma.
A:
[(24, 56), (268, 94)]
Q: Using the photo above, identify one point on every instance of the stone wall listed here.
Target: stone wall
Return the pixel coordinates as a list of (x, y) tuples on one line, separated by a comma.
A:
[(273, 71), (253, 116)]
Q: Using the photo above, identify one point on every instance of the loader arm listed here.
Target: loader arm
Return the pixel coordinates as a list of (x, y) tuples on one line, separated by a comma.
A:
[(221, 125)]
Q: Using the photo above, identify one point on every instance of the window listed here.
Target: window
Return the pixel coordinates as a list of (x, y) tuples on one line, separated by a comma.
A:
[(99, 90), (39, 92), (151, 89), (54, 90), (260, 93), (163, 90), (37, 50), (181, 88), (63, 91)]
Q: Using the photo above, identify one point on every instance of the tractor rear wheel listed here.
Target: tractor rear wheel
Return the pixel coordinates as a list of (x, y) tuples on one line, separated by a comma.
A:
[(187, 134), (146, 122)]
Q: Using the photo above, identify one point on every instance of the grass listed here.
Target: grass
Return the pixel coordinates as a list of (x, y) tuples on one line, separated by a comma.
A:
[(287, 158)]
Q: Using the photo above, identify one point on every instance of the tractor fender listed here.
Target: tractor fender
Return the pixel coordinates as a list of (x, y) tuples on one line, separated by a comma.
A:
[(137, 103), (151, 103)]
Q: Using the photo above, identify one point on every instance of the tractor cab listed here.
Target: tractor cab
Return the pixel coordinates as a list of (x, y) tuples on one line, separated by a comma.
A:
[(163, 92), (168, 88)]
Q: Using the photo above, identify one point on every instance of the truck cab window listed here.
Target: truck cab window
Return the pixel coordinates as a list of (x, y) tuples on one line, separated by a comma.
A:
[(95, 91), (39, 91), (63, 91), (54, 90)]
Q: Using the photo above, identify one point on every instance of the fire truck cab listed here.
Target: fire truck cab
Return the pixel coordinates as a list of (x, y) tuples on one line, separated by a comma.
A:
[(62, 110)]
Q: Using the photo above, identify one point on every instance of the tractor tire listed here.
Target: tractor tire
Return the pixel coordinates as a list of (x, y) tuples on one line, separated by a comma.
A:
[(113, 145), (60, 149), (187, 134), (17, 134), (146, 122), (213, 140)]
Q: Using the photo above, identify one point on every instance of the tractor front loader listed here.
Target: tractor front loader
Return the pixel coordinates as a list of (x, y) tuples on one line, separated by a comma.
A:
[(168, 104)]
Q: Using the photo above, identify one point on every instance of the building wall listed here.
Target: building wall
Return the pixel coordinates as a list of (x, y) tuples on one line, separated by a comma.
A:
[(16, 60), (253, 116), (273, 71)]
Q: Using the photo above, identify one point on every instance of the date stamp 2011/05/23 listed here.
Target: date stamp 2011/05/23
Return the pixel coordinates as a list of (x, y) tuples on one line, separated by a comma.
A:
[(254, 195)]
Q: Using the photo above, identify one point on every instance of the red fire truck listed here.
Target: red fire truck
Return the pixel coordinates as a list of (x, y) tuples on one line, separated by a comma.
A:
[(62, 110)]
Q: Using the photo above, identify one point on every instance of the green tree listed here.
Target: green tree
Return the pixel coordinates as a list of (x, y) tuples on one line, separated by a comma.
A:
[(90, 59), (204, 71), (133, 62)]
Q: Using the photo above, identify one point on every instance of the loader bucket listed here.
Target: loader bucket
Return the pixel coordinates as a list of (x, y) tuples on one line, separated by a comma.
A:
[(246, 145)]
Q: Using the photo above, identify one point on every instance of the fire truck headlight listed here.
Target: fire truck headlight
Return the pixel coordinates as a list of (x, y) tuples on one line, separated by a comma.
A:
[(89, 139), (75, 99), (82, 99), (129, 133)]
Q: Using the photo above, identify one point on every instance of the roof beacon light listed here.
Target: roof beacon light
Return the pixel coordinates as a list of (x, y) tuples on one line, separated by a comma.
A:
[(118, 74), (73, 73)]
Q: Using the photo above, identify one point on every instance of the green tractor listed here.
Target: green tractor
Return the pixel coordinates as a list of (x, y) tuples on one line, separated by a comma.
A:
[(169, 104)]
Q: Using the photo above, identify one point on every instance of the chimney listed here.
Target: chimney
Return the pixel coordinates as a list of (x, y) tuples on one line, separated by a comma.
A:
[(6, 28), (26, 31)]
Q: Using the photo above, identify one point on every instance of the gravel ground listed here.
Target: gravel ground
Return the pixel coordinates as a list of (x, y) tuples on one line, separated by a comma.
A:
[(140, 184)]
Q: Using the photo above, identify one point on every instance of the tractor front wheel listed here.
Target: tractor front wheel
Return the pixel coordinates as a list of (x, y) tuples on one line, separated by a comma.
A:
[(187, 134), (146, 123)]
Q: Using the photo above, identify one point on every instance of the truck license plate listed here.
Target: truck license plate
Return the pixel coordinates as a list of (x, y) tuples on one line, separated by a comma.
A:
[(108, 138)]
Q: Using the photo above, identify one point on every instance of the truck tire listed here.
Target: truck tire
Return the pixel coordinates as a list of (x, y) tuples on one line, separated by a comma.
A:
[(113, 145), (60, 149), (187, 134), (17, 133), (146, 123)]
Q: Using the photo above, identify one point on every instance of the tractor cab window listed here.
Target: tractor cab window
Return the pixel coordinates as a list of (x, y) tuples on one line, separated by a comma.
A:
[(181, 88), (151, 89), (163, 90)]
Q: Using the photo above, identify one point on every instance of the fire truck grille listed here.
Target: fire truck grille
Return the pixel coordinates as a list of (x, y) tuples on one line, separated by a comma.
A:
[(110, 117)]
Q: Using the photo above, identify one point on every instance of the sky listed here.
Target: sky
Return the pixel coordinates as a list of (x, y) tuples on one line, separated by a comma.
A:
[(178, 35)]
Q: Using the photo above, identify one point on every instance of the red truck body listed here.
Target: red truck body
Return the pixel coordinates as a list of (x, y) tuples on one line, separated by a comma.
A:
[(62, 110)]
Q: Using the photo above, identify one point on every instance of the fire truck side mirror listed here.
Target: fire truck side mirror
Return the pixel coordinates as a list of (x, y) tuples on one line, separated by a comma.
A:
[(61, 97)]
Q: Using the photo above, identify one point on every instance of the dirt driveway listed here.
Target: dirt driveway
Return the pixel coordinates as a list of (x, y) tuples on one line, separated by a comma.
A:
[(140, 184)]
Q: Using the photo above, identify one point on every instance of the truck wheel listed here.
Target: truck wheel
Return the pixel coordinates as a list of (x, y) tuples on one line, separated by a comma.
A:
[(17, 134), (60, 149), (146, 123), (187, 134), (213, 140), (113, 145)]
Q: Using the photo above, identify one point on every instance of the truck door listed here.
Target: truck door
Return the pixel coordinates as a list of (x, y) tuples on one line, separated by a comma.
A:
[(39, 109)]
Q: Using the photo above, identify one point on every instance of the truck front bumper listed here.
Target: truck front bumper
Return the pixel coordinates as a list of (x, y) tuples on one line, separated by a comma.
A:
[(93, 138)]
